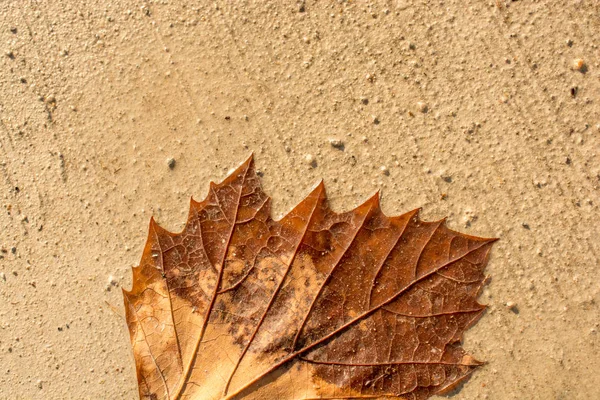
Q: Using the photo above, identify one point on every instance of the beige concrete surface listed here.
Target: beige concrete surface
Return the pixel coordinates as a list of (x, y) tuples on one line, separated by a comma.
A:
[(476, 109)]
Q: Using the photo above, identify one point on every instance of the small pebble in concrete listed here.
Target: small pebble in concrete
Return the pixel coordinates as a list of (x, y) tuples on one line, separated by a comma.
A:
[(512, 306), (171, 163), (579, 65), (310, 160), (422, 106), (336, 143), (110, 282)]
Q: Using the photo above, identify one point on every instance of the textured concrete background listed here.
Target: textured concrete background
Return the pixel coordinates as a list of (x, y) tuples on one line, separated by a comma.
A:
[(473, 108)]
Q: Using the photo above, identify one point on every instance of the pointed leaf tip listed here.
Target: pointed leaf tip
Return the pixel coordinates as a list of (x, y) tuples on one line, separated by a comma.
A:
[(249, 161), (374, 200), (320, 188)]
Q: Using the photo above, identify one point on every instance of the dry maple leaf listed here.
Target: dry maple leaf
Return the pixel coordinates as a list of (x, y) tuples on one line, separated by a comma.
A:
[(317, 305)]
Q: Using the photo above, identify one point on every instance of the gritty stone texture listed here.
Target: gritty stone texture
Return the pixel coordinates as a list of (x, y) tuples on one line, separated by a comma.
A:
[(496, 76)]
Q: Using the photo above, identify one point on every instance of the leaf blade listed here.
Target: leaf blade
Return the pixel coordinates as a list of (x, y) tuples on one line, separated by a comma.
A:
[(353, 305)]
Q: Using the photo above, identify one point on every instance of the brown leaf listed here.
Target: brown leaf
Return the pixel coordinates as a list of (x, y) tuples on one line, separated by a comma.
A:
[(318, 305)]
